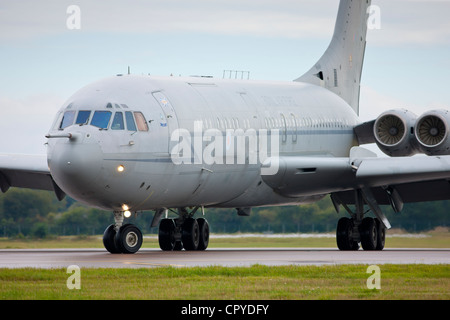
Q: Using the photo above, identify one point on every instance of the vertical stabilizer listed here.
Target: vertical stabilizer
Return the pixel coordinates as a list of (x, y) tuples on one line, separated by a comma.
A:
[(339, 69)]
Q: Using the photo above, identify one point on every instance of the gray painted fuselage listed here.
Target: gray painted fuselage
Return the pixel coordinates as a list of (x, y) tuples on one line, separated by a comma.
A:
[(310, 121)]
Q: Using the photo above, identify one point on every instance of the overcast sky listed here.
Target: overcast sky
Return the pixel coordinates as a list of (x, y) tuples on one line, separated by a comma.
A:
[(43, 62)]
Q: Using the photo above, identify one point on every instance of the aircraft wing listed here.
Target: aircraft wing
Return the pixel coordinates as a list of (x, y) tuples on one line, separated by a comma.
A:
[(27, 171), (387, 180), (409, 179)]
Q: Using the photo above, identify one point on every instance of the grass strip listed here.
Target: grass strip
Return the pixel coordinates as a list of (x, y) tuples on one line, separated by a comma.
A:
[(404, 282)]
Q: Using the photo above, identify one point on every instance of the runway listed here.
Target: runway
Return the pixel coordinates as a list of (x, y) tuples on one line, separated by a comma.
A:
[(99, 258)]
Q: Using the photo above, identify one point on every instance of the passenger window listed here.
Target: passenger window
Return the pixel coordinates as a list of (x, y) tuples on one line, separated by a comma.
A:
[(83, 117), (283, 128), (101, 119), (118, 122), (67, 120), (131, 126), (140, 121)]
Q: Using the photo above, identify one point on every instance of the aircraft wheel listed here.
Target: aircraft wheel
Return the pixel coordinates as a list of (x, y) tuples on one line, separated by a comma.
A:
[(204, 234), (190, 234), (166, 235), (344, 235), (381, 235), (108, 240), (128, 239), (369, 234)]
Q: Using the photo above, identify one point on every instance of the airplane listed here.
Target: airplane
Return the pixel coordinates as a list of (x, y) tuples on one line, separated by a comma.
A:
[(131, 143)]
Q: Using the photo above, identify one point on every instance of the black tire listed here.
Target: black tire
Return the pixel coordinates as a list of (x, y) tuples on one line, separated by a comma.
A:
[(128, 239), (381, 235), (108, 240), (166, 235), (344, 235), (191, 234), (204, 234), (368, 232), (178, 246)]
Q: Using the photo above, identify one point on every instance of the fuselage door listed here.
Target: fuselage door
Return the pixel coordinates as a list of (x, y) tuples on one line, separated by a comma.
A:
[(169, 117)]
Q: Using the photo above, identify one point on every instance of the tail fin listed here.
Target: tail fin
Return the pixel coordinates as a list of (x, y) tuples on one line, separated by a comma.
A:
[(339, 69)]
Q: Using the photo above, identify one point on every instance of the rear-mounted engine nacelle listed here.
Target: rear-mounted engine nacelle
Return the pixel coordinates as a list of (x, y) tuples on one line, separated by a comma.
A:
[(394, 133), (432, 132)]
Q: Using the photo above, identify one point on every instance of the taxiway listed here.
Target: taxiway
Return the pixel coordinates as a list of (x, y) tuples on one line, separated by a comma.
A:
[(99, 258)]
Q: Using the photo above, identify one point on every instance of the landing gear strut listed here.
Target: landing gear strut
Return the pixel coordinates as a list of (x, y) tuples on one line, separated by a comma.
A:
[(122, 238), (183, 232)]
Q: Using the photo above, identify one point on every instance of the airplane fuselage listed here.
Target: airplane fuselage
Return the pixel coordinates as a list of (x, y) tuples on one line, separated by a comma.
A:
[(132, 143), (115, 157)]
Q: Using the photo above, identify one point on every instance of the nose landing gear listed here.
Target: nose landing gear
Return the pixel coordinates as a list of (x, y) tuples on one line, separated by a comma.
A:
[(122, 238)]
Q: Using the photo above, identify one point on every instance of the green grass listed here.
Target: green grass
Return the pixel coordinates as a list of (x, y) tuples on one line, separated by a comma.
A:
[(256, 282)]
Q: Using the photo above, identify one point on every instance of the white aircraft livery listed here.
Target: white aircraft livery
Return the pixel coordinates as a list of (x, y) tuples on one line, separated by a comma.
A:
[(132, 143)]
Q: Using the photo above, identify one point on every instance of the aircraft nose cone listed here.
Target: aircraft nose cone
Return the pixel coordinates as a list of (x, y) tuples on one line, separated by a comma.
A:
[(75, 167)]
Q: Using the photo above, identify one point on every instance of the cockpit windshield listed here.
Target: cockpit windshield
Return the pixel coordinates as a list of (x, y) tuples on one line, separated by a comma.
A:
[(121, 120), (83, 117), (131, 126), (101, 119), (67, 119), (118, 123)]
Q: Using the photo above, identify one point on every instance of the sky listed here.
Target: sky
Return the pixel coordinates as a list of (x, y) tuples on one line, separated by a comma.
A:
[(48, 51)]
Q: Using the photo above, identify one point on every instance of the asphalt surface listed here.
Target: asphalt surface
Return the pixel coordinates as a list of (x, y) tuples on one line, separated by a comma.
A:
[(100, 258)]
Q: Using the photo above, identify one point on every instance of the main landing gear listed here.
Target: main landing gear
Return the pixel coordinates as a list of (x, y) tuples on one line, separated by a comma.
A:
[(185, 232), (370, 232)]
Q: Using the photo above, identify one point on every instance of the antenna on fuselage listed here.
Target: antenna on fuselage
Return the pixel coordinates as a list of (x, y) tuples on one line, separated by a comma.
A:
[(129, 72)]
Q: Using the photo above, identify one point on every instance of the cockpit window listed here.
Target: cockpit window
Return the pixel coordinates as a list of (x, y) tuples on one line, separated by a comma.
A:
[(131, 126), (118, 123), (101, 119), (134, 121), (67, 120), (83, 117), (140, 121)]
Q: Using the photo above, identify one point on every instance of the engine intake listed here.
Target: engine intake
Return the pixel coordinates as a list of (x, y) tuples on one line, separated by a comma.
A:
[(432, 132), (394, 133)]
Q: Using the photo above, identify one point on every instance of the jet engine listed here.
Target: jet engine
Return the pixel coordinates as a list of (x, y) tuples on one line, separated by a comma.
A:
[(394, 133), (432, 132)]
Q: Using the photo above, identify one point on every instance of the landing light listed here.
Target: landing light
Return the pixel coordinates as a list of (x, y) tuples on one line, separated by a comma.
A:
[(120, 168), (126, 211)]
